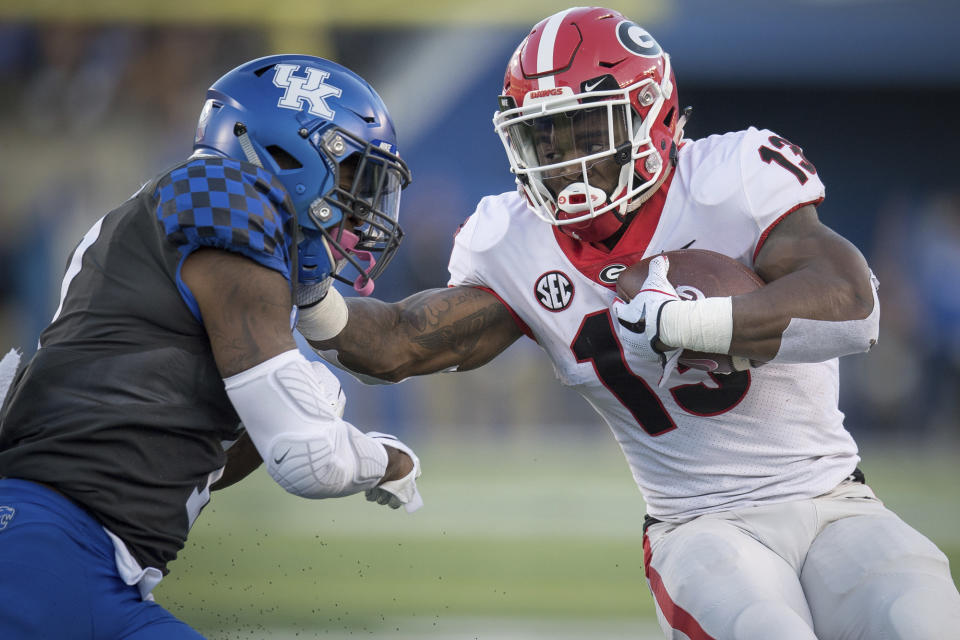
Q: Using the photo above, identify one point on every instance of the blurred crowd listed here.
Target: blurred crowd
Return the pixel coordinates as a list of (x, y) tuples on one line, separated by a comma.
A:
[(88, 113)]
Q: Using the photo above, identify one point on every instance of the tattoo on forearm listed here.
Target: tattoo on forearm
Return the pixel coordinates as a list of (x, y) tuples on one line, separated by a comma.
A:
[(435, 333), (424, 333)]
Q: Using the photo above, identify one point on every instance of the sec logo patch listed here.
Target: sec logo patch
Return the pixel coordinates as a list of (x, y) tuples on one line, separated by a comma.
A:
[(554, 291)]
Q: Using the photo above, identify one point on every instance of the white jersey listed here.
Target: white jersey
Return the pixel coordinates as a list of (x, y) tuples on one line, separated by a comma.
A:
[(702, 442)]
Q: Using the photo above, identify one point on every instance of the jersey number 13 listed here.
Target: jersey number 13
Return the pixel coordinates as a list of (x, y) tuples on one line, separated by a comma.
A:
[(596, 342)]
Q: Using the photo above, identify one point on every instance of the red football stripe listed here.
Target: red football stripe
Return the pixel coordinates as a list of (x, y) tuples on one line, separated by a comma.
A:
[(676, 616), (666, 293)]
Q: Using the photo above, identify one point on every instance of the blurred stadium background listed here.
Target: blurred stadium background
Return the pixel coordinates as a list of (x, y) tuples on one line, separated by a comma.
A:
[(532, 523)]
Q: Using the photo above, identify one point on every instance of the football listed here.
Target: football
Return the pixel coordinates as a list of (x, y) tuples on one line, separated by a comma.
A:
[(696, 274)]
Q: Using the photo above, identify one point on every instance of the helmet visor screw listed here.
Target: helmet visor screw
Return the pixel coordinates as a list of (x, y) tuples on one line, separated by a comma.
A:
[(652, 163), (648, 96), (335, 145)]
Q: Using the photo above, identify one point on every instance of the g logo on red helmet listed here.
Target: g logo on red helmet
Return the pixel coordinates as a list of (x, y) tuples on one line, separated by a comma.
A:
[(636, 40)]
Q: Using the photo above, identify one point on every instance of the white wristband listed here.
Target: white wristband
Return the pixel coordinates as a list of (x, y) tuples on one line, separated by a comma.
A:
[(325, 319), (699, 325)]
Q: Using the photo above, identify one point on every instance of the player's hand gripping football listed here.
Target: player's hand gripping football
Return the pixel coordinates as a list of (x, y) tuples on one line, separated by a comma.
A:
[(402, 491), (638, 321)]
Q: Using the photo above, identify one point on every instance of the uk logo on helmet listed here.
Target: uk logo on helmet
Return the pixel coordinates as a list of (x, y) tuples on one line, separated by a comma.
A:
[(309, 90), (554, 291)]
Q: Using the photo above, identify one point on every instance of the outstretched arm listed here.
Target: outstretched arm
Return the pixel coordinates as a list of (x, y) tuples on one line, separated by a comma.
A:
[(433, 330)]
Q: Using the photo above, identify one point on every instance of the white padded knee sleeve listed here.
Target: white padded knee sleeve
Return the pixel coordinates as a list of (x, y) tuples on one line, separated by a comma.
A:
[(291, 409)]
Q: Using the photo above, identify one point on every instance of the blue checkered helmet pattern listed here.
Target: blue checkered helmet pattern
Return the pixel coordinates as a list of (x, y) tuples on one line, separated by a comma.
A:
[(327, 137)]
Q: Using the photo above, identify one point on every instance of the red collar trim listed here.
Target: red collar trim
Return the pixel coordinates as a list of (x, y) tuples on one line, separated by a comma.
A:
[(590, 259)]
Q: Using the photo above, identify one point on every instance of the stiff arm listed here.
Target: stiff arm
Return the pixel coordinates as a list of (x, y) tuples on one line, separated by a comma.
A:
[(458, 328)]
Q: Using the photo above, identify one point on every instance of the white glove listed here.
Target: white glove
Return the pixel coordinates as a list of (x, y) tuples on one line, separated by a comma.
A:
[(397, 492), (638, 321)]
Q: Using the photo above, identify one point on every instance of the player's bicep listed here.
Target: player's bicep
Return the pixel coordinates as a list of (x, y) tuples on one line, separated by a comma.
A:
[(245, 308), (817, 260), (819, 301)]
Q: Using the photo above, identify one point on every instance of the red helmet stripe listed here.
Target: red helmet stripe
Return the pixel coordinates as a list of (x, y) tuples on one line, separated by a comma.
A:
[(545, 49)]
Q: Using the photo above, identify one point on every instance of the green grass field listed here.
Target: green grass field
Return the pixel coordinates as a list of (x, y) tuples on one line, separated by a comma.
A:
[(536, 540)]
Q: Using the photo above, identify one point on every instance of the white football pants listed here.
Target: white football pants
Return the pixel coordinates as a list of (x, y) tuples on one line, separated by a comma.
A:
[(839, 566)]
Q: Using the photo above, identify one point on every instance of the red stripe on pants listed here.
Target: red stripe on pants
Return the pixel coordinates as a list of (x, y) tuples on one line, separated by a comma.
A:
[(676, 616)]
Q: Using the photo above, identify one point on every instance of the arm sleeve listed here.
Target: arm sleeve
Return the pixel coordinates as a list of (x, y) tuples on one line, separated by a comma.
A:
[(292, 410)]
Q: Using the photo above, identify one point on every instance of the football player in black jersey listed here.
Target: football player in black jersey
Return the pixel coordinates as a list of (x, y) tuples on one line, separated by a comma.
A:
[(170, 367)]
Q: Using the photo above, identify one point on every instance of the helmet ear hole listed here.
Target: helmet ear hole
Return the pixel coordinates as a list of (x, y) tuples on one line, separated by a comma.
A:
[(283, 158), (668, 119)]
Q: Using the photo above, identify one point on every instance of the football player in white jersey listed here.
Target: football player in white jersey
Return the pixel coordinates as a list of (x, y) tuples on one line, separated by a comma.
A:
[(759, 523)]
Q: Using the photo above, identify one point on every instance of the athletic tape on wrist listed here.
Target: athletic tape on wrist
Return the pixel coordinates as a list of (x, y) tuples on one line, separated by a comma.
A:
[(699, 325), (325, 319)]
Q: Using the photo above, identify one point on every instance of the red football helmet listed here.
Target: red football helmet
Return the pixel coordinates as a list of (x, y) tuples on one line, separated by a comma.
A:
[(588, 118)]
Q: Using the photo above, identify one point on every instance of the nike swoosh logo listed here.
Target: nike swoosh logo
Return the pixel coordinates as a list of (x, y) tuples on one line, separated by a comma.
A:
[(591, 87), (281, 458), (687, 246)]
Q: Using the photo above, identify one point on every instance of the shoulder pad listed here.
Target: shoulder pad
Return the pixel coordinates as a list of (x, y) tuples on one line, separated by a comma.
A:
[(223, 203)]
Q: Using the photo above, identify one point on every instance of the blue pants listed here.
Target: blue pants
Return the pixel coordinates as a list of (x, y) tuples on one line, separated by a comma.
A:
[(58, 579)]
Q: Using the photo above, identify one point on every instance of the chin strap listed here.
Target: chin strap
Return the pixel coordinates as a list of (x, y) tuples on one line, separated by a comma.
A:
[(681, 123), (646, 195), (240, 130), (677, 137)]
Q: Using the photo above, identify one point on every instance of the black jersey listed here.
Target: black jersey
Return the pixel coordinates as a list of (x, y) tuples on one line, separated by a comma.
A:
[(122, 409)]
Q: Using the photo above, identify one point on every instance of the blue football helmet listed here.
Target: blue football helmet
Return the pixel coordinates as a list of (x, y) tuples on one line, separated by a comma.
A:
[(327, 137)]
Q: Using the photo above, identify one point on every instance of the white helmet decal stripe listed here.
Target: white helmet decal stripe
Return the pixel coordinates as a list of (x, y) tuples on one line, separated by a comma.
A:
[(548, 40)]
